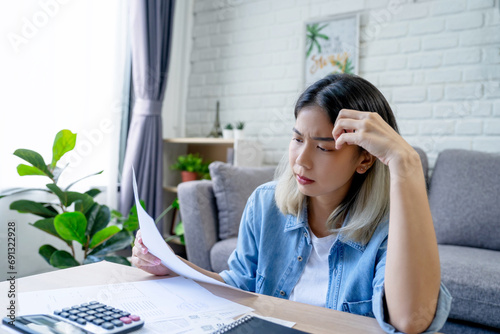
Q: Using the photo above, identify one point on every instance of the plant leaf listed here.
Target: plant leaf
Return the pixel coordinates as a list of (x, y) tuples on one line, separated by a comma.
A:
[(27, 206), (83, 203), (98, 219), (119, 241), (179, 229), (72, 184), (62, 259), (23, 170), (103, 235), (71, 226), (46, 252), (58, 192), (93, 192), (33, 158), (64, 142)]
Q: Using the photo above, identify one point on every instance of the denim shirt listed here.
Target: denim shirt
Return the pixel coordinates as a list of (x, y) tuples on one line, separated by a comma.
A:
[(273, 250)]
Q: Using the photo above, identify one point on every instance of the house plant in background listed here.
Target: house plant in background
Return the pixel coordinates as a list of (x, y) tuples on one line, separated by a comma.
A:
[(239, 131), (72, 216), (227, 132), (192, 167)]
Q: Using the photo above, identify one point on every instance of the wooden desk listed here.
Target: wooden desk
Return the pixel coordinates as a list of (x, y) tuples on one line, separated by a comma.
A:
[(309, 318)]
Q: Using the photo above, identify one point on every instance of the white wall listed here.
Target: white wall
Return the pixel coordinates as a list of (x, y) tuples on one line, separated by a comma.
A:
[(437, 62)]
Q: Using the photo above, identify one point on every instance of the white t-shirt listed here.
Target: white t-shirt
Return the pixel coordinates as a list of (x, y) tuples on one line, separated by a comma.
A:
[(312, 286)]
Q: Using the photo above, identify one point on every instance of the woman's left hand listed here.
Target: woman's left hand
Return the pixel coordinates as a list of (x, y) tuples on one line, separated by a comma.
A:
[(371, 132)]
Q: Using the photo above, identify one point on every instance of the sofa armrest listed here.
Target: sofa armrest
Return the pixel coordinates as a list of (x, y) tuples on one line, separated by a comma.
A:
[(199, 216)]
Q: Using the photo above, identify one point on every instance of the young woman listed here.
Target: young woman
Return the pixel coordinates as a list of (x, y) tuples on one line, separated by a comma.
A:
[(347, 224)]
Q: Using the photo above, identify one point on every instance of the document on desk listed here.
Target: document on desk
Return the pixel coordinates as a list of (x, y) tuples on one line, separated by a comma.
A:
[(158, 247), (169, 305)]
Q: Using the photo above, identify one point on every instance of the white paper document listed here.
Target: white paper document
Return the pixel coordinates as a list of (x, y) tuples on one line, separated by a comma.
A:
[(157, 246), (170, 305)]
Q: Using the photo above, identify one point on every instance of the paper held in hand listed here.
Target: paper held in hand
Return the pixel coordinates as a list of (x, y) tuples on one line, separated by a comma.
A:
[(157, 246)]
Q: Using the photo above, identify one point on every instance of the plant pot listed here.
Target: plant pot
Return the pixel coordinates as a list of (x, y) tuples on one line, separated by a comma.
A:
[(188, 176), (239, 134), (227, 133)]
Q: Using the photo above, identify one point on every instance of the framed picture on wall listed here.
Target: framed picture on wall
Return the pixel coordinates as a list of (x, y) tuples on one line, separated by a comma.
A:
[(331, 46)]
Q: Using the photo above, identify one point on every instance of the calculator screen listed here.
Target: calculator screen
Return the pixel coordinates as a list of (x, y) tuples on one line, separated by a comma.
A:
[(44, 324)]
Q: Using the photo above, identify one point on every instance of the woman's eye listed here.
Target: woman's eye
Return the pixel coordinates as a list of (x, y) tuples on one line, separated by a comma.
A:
[(324, 149), (298, 140)]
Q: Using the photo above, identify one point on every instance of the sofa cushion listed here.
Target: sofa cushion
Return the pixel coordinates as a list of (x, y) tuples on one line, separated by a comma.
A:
[(472, 277), (220, 252), (463, 196), (232, 188)]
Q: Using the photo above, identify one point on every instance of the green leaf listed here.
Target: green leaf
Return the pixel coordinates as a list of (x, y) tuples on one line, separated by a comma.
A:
[(103, 235), (83, 203), (64, 142), (98, 218), (83, 178), (117, 242), (23, 170), (93, 192), (58, 192), (35, 159), (46, 252), (132, 222), (62, 259), (27, 206), (71, 226), (179, 229)]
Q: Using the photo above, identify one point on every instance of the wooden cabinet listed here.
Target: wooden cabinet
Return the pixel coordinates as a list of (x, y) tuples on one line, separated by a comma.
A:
[(243, 152)]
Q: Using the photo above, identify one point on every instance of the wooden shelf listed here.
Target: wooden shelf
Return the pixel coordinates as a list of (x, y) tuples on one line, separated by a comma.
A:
[(170, 189)]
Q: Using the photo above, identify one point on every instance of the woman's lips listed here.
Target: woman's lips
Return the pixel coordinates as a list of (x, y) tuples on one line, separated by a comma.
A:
[(303, 180)]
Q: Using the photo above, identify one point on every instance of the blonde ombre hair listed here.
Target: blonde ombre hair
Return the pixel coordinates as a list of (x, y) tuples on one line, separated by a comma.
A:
[(366, 204)]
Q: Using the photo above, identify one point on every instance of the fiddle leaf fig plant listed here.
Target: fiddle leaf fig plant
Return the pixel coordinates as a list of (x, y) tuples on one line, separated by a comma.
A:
[(73, 217)]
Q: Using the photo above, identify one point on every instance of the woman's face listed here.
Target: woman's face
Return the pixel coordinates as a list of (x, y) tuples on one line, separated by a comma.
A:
[(320, 170)]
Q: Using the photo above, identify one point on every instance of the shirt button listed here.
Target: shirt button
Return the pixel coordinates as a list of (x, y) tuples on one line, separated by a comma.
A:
[(305, 234), (299, 258), (282, 293)]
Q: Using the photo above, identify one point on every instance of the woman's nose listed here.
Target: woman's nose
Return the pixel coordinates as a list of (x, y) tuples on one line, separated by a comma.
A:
[(304, 158)]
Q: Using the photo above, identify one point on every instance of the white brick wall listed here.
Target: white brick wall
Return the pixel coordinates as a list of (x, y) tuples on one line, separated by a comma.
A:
[(436, 61)]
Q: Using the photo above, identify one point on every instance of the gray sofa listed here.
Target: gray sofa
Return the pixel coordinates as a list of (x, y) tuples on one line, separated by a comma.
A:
[(464, 193)]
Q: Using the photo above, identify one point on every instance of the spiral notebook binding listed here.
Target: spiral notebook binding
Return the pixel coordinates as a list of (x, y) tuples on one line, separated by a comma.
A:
[(231, 326)]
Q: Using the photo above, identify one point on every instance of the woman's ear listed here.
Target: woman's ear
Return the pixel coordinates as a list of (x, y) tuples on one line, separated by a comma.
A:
[(367, 161)]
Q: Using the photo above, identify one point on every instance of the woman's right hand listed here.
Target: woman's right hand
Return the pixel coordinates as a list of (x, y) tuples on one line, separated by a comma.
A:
[(142, 259)]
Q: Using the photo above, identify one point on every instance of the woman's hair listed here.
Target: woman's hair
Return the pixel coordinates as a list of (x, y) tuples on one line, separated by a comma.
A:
[(367, 201)]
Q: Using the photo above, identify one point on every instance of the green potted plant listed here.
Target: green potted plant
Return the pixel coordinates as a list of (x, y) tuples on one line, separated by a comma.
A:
[(191, 166), (239, 131), (73, 217), (227, 132)]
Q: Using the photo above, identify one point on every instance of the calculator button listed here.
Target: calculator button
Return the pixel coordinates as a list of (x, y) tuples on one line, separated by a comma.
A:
[(108, 313), (81, 321), (82, 315), (57, 312), (116, 315), (83, 309), (94, 306), (100, 310), (66, 309), (73, 311), (109, 307), (93, 302), (107, 318), (98, 321), (125, 314), (126, 320), (91, 312), (117, 323), (72, 317), (64, 314), (75, 306), (90, 318), (84, 304), (99, 315), (107, 325), (134, 317)]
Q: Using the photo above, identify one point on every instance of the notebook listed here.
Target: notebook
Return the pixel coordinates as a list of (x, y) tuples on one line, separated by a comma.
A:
[(249, 324)]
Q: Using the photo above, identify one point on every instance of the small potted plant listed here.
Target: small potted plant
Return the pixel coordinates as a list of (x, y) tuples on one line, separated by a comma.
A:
[(227, 132), (191, 166), (238, 132)]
